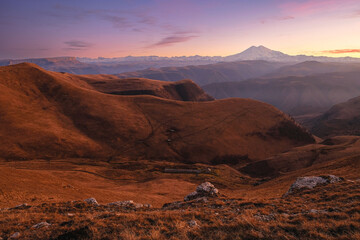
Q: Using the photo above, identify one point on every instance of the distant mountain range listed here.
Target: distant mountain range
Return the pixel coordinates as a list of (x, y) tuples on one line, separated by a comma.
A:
[(130, 63), (210, 73), (252, 53), (263, 53)]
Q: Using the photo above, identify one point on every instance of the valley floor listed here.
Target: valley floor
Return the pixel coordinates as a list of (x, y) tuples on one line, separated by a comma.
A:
[(248, 208), (325, 212)]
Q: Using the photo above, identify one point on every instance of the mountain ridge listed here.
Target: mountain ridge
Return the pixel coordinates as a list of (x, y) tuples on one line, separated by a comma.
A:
[(100, 65)]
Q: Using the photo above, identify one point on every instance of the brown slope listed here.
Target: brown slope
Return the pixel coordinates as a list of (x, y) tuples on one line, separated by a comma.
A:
[(51, 115), (184, 90), (341, 119), (339, 155)]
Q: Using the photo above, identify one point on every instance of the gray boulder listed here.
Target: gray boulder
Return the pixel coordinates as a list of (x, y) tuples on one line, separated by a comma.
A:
[(311, 182), (205, 189), (91, 201)]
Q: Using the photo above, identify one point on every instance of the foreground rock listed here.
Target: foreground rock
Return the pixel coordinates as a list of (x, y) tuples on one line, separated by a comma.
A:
[(311, 182), (205, 189), (203, 192), (91, 201)]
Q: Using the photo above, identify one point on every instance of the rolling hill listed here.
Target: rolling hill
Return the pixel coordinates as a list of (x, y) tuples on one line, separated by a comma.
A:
[(53, 115), (184, 90), (341, 119), (211, 73)]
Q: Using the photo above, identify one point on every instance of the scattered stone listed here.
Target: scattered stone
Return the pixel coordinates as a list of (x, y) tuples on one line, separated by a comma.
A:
[(139, 205), (129, 204), (126, 204), (21, 206), (315, 211), (91, 201), (178, 204), (265, 218), (193, 223), (41, 225), (15, 235), (71, 214), (311, 182), (205, 189), (173, 205)]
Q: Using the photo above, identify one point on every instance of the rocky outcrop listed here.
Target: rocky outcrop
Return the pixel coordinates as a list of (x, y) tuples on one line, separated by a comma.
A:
[(129, 204), (205, 189), (311, 182)]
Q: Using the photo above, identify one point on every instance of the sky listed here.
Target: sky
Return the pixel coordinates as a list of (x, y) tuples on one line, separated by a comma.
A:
[(117, 28)]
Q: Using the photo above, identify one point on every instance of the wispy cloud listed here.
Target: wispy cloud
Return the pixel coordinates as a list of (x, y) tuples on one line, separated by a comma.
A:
[(121, 19), (277, 18), (76, 45), (178, 37), (306, 7), (146, 19), (117, 21), (354, 14), (341, 51)]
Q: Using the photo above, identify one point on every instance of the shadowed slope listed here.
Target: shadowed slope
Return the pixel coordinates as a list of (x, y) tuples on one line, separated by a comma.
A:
[(340, 155), (185, 90), (294, 95), (313, 67), (341, 119), (52, 115)]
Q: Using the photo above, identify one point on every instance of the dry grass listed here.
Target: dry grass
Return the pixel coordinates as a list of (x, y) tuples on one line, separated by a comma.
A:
[(326, 212)]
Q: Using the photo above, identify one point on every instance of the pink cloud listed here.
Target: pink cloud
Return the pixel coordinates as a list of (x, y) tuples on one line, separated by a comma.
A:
[(173, 39), (312, 6), (340, 51)]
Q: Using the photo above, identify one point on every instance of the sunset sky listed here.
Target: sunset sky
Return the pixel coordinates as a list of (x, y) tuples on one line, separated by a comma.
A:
[(115, 28)]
